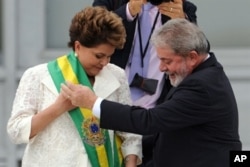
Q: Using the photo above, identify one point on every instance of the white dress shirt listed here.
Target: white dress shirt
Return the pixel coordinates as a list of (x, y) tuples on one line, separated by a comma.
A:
[(148, 101)]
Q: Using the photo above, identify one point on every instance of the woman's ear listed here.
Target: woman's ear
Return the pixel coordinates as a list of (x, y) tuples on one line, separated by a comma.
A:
[(77, 46)]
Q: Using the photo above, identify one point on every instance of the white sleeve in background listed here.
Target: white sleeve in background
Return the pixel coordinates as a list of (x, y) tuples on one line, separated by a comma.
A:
[(129, 16)]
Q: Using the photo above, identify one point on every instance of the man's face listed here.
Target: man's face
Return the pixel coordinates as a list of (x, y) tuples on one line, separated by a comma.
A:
[(174, 65)]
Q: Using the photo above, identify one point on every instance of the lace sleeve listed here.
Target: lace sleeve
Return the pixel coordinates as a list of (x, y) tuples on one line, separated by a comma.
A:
[(24, 107), (132, 143)]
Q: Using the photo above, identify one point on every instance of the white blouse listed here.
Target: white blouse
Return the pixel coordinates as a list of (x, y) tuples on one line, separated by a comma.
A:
[(59, 144)]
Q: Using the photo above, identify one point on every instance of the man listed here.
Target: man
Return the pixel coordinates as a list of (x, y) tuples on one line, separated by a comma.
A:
[(138, 57), (197, 125)]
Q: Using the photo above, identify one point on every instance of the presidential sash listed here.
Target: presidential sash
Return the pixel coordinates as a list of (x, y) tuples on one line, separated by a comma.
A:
[(95, 140)]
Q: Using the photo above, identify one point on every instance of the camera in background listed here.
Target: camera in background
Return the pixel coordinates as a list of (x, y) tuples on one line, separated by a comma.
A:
[(158, 2)]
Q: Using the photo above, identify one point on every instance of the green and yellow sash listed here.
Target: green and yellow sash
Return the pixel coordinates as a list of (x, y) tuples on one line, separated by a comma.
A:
[(95, 140)]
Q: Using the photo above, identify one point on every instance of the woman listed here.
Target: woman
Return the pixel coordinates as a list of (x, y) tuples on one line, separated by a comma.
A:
[(58, 133)]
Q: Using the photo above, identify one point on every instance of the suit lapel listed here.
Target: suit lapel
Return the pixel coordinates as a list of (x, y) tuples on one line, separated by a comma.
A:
[(48, 82), (170, 93), (105, 83)]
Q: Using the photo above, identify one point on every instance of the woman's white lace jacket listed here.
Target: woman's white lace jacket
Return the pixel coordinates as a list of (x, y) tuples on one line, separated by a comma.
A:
[(59, 145)]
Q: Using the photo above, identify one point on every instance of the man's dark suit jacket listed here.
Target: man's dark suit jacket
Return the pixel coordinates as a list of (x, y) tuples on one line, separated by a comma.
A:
[(196, 126)]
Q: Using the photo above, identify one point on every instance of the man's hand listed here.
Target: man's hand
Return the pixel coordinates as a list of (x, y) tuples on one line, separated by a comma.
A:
[(172, 9), (79, 95), (134, 6)]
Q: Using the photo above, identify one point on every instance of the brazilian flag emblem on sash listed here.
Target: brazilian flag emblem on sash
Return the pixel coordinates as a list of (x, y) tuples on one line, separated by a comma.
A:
[(95, 140)]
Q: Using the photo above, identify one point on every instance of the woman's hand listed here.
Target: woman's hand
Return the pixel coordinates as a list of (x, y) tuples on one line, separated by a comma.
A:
[(79, 95)]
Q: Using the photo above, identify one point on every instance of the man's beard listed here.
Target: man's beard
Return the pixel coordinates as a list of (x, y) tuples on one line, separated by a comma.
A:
[(180, 76)]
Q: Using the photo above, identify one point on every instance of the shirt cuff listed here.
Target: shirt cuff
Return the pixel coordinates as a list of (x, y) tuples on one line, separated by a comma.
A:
[(97, 107), (129, 16)]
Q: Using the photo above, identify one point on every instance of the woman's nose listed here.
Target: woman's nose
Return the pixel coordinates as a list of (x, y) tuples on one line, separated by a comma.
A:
[(105, 61)]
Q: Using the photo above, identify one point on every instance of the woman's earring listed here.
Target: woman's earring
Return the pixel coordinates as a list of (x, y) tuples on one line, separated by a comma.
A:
[(76, 55)]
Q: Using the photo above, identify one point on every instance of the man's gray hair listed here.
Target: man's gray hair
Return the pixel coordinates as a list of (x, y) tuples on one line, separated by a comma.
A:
[(182, 36)]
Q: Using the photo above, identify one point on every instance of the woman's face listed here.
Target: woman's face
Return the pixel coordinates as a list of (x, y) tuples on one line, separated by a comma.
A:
[(94, 59)]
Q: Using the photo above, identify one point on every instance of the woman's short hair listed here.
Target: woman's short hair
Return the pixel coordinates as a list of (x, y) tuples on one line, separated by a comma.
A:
[(93, 26)]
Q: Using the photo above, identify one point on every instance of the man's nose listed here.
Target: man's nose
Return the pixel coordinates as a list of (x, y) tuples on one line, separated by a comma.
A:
[(163, 67)]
